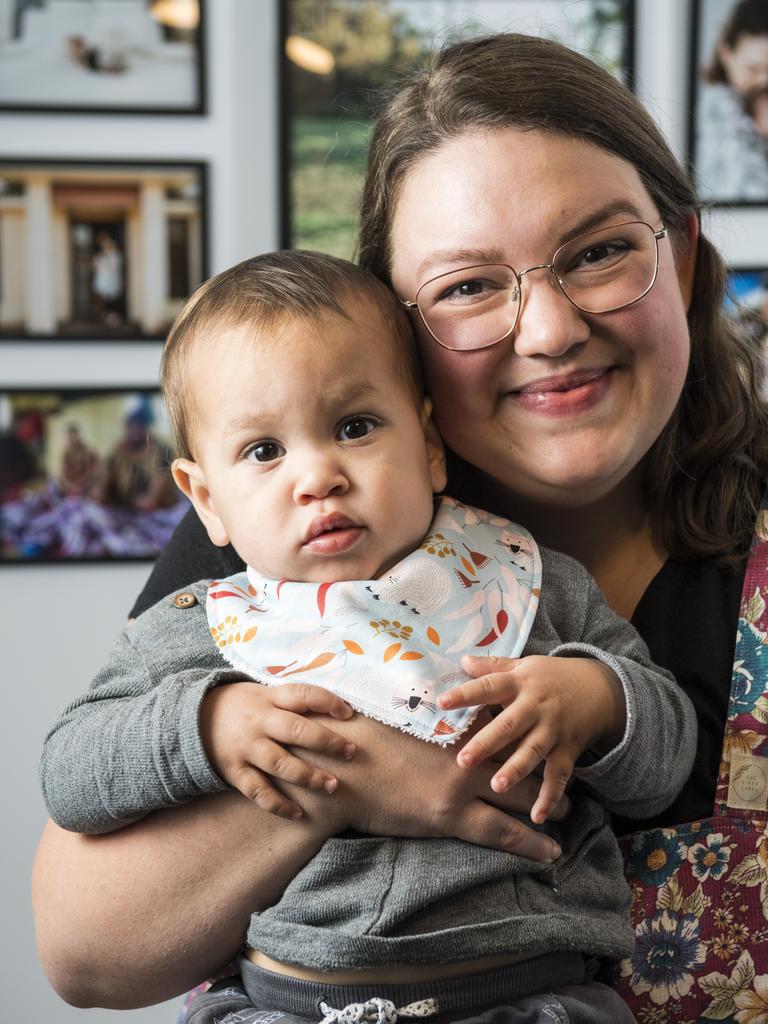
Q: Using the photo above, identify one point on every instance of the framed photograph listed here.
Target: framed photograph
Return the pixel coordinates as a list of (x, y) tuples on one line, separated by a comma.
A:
[(728, 127), (747, 301), (102, 56), (84, 475), (341, 56), (96, 250)]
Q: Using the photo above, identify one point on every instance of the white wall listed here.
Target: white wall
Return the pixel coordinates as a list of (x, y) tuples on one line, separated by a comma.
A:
[(49, 656)]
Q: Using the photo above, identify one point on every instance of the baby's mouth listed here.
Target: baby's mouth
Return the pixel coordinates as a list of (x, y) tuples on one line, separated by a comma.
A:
[(333, 533)]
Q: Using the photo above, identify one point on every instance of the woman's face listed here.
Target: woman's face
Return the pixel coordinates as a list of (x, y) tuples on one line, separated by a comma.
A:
[(563, 409)]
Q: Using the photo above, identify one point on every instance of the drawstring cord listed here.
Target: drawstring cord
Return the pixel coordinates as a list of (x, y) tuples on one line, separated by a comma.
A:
[(377, 1011)]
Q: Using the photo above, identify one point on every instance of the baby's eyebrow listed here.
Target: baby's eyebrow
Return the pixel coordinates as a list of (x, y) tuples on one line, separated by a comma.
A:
[(246, 422), (342, 394)]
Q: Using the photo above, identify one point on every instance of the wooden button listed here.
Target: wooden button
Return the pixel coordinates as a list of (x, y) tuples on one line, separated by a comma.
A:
[(185, 600)]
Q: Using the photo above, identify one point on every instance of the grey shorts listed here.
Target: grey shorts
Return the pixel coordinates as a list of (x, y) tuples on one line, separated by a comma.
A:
[(518, 994)]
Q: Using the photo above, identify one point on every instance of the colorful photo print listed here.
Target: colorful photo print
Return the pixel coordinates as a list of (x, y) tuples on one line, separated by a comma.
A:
[(341, 57), (747, 301), (98, 250), (110, 57), (728, 132), (84, 475)]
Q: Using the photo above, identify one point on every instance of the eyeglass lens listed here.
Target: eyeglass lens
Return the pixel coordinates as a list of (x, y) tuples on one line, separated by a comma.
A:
[(599, 272)]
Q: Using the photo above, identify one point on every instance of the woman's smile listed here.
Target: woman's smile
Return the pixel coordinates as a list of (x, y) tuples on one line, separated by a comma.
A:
[(565, 395)]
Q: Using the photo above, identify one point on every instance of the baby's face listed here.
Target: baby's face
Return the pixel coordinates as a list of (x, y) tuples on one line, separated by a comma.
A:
[(313, 458)]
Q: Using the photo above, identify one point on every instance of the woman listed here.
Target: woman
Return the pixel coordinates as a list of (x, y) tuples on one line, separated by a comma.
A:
[(633, 438)]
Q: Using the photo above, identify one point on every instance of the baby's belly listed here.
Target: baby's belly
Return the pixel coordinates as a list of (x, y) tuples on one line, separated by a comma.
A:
[(393, 975)]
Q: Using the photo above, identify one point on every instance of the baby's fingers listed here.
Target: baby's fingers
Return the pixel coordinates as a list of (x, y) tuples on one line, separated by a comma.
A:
[(302, 697), (280, 763), (296, 731), (558, 769), (496, 688), (501, 731), (255, 786), (531, 751)]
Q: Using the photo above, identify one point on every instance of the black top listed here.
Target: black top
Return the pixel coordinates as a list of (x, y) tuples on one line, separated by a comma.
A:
[(687, 616)]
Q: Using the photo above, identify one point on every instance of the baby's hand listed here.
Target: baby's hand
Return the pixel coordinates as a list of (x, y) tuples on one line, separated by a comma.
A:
[(245, 728), (553, 709)]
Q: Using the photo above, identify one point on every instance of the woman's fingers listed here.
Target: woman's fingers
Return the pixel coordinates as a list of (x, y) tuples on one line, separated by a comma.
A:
[(487, 826)]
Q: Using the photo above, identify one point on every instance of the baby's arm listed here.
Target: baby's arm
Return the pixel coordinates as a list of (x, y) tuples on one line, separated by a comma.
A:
[(601, 695), (132, 743)]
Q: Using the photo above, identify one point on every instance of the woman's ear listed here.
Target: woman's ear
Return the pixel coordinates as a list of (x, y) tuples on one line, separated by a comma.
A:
[(435, 448), (190, 480), (685, 259)]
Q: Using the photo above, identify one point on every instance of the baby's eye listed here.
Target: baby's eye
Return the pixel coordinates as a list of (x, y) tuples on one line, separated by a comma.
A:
[(356, 427), (264, 451)]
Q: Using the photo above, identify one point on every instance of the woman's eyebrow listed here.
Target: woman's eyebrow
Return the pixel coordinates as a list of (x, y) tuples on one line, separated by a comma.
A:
[(478, 257), (463, 257), (597, 217)]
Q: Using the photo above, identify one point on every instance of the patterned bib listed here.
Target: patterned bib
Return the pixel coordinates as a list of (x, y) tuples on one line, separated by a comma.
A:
[(389, 646)]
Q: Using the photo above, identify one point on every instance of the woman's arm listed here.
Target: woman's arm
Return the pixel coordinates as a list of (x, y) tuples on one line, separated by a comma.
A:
[(141, 915)]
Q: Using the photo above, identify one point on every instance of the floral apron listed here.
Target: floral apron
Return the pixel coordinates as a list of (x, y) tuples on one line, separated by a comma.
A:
[(700, 891)]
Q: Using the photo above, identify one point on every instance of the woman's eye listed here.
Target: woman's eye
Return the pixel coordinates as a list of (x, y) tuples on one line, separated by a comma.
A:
[(606, 253), (468, 290), (356, 427), (265, 451)]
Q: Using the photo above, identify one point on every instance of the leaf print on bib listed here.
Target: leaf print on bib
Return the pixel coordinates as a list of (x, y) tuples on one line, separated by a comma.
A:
[(390, 646)]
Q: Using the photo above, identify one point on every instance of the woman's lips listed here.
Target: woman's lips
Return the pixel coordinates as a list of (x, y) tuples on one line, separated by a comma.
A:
[(565, 395)]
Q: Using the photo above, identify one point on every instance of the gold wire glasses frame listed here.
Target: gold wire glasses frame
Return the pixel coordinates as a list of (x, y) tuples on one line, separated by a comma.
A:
[(597, 272)]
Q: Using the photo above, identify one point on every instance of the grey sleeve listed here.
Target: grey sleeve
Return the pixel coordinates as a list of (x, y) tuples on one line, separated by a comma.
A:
[(131, 745), (644, 773)]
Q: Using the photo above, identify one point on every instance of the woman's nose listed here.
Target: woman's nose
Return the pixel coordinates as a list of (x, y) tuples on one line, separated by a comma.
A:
[(548, 324), (320, 475)]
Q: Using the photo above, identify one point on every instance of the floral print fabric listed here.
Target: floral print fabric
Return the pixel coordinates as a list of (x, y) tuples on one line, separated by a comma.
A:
[(700, 891)]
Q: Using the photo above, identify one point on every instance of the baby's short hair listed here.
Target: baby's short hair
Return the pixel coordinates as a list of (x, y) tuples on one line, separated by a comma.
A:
[(265, 291)]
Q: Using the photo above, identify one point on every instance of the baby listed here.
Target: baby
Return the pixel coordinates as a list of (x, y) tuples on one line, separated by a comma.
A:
[(306, 441)]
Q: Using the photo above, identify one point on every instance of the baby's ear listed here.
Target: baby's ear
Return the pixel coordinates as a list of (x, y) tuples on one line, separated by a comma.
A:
[(435, 448), (190, 480)]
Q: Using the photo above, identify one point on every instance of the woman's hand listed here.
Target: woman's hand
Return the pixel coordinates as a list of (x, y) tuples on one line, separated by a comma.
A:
[(553, 709), (399, 785)]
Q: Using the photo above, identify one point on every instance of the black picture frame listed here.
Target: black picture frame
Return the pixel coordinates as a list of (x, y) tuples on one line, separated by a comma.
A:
[(84, 475), (111, 249), (92, 66), (320, 178), (746, 300), (727, 154)]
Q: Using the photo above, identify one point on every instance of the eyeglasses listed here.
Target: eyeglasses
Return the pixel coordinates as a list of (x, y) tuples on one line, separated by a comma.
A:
[(599, 272)]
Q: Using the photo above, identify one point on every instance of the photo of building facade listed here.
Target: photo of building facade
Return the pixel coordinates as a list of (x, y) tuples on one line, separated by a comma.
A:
[(97, 250)]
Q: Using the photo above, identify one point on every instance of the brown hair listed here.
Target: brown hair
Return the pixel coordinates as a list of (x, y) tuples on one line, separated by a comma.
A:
[(265, 291), (704, 475), (748, 18)]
